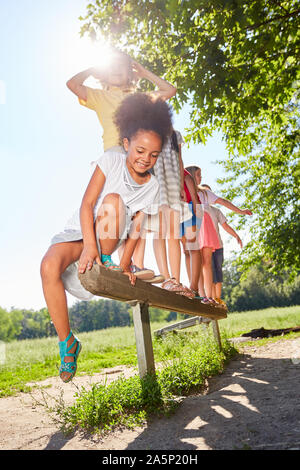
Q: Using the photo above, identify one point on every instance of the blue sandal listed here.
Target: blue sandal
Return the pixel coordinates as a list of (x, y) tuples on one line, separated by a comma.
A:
[(64, 351), (108, 263)]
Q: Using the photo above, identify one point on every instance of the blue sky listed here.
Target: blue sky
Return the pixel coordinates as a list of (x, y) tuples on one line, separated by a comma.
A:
[(47, 140)]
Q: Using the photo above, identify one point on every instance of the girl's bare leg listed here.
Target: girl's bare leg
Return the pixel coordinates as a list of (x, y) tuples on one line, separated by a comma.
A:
[(139, 252), (218, 289), (160, 252), (174, 250), (54, 263), (159, 248), (174, 258), (134, 235), (214, 295), (201, 280), (195, 268), (110, 223), (187, 257), (207, 270), (191, 245)]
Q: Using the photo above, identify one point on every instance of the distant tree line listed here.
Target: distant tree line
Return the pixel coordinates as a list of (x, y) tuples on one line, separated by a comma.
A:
[(256, 290), (18, 324)]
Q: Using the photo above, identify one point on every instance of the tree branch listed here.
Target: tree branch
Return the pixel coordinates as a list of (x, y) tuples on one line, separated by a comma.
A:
[(275, 18)]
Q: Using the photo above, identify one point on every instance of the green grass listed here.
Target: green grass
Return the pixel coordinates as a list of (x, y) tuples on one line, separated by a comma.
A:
[(188, 360), (34, 360), (238, 323)]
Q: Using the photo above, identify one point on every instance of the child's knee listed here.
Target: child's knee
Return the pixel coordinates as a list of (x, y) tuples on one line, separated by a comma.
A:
[(113, 198), (49, 267), (206, 258), (111, 206)]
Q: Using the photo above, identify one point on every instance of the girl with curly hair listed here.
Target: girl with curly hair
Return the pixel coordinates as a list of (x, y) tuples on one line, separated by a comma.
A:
[(120, 193)]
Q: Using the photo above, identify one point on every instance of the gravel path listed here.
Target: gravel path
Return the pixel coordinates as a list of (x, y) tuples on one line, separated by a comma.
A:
[(254, 404)]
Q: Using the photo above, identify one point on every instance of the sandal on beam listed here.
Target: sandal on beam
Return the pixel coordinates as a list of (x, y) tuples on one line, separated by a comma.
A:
[(109, 264), (173, 286), (197, 295), (187, 292)]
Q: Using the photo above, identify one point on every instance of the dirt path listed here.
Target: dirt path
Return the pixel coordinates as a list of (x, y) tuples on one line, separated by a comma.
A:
[(254, 404)]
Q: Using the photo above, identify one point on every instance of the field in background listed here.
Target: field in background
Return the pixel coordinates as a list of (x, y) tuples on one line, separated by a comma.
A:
[(33, 360)]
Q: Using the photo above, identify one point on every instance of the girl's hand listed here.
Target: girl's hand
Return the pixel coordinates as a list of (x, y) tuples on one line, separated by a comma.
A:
[(88, 256), (182, 195), (239, 241), (127, 272), (246, 212), (138, 70)]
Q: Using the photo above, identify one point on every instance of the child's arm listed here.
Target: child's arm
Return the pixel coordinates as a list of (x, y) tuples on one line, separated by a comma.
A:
[(232, 207), (189, 181), (165, 89), (232, 233), (75, 84), (90, 251)]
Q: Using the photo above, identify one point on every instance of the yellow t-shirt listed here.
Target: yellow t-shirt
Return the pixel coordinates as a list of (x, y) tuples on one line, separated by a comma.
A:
[(105, 103)]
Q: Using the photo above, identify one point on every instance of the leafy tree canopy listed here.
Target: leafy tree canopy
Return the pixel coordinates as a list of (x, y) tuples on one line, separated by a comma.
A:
[(236, 63)]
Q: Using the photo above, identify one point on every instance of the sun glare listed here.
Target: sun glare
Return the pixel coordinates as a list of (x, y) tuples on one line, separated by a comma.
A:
[(85, 53)]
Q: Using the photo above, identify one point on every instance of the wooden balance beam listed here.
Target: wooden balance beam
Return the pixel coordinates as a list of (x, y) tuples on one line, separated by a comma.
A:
[(104, 282)]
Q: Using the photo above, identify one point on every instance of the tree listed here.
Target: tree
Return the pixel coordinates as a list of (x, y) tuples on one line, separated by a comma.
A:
[(9, 324), (254, 291), (236, 63)]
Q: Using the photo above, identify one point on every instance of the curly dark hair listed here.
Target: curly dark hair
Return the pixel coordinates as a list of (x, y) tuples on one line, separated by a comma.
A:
[(139, 111)]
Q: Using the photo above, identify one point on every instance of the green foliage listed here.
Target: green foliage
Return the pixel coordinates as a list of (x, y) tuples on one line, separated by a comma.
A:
[(99, 314), (237, 64), (190, 358), (257, 289), (9, 325), (84, 316)]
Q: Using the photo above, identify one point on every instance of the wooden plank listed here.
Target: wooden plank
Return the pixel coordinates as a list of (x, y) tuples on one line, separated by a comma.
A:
[(104, 282), (143, 339), (181, 325)]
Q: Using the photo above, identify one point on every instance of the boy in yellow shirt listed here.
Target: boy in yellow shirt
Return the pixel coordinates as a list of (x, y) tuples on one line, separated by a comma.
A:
[(117, 81)]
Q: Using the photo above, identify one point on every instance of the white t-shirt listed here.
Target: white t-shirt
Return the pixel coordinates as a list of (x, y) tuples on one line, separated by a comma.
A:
[(137, 197), (207, 197), (217, 217)]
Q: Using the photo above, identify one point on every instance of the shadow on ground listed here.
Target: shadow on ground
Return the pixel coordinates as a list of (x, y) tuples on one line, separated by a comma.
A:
[(254, 404)]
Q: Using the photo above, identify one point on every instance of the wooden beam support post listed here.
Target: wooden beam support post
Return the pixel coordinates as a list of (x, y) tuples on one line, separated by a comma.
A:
[(143, 338), (216, 332)]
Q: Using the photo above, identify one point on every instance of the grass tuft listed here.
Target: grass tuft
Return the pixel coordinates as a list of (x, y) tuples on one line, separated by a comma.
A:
[(131, 401)]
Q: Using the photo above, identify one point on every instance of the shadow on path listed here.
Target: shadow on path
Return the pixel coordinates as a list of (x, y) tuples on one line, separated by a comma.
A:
[(254, 404)]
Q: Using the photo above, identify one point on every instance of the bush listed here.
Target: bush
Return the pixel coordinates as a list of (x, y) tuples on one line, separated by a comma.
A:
[(257, 290)]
